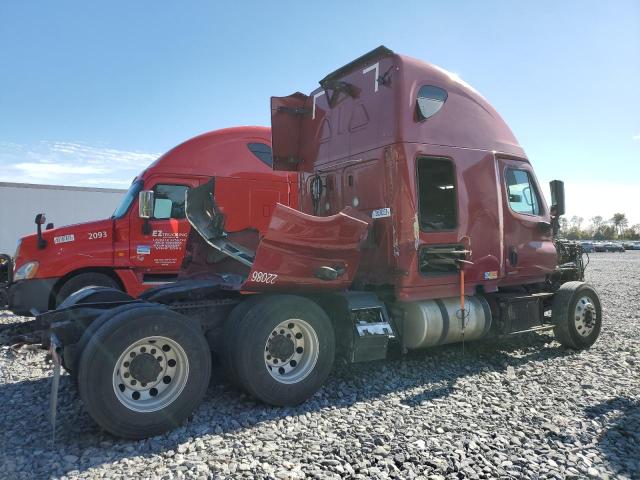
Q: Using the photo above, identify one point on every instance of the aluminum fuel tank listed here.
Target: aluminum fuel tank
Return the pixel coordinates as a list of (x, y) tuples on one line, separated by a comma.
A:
[(435, 322)]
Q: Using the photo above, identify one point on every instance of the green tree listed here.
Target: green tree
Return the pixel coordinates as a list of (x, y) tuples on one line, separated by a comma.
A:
[(620, 222), (597, 223), (631, 234), (608, 232)]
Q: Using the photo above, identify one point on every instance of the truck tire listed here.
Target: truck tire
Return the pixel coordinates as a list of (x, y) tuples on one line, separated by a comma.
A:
[(89, 295), (284, 349), (577, 315), (73, 361), (82, 280), (144, 371), (232, 336)]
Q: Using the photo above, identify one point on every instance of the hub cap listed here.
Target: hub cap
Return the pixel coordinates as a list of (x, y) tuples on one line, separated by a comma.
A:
[(150, 374), (291, 351), (585, 316)]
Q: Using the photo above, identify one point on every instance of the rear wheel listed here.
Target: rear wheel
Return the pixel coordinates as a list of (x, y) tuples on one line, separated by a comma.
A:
[(284, 348), (89, 295), (82, 280), (73, 353), (232, 336), (577, 315), (144, 371)]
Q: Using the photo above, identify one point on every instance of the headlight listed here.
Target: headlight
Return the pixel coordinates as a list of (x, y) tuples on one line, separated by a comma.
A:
[(26, 271)]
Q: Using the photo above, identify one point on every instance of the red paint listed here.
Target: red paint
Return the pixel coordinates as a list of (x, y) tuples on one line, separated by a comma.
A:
[(253, 189), (297, 245), (365, 146)]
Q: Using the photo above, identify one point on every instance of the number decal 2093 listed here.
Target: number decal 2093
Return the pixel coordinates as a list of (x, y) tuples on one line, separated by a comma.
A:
[(97, 235), (262, 277)]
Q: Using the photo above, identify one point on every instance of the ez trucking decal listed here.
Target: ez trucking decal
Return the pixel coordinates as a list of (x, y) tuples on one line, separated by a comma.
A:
[(165, 248), (168, 240)]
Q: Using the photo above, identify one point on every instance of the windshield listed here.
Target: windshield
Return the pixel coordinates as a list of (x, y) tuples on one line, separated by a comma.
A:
[(128, 199)]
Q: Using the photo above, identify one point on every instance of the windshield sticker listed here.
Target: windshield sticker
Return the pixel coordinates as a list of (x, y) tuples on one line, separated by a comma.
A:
[(381, 213), (143, 250), (64, 239)]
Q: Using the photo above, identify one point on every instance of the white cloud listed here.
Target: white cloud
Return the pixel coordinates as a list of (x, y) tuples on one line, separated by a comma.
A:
[(45, 169), (636, 137), (71, 163)]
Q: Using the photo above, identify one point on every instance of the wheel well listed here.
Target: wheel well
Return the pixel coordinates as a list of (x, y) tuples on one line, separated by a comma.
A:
[(103, 270)]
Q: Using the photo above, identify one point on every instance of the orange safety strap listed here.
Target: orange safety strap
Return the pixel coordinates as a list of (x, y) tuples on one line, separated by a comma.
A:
[(462, 290)]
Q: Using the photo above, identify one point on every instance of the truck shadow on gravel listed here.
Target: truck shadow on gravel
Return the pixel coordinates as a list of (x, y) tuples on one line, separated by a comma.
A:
[(620, 442), (81, 445)]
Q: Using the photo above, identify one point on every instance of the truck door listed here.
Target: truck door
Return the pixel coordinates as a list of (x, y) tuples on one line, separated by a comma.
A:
[(157, 251), (528, 248)]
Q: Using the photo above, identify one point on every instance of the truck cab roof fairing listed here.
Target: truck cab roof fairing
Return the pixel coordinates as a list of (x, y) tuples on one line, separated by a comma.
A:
[(372, 103)]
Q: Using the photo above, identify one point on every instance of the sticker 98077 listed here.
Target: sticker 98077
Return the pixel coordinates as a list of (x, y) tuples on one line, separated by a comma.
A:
[(262, 277), (97, 235)]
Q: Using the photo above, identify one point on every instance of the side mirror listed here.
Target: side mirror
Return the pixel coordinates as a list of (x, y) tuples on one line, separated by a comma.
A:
[(557, 196), (39, 221), (145, 204)]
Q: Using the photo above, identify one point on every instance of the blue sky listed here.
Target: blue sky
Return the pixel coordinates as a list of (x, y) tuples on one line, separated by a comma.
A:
[(90, 92)]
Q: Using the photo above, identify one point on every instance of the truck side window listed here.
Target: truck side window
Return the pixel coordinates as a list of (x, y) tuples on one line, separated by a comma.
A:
[(263, 152), (430, 100), (522, 192), (437, 194), (169, 201)]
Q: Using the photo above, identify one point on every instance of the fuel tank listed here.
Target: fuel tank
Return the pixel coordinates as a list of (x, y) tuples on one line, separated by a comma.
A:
[(429, 323)]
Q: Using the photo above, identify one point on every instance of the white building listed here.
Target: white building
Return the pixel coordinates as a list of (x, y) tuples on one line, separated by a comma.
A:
[(20, 202)]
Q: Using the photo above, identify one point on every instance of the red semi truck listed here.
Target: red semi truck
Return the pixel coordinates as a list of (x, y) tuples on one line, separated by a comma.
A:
[(420, 223), (131, 253)]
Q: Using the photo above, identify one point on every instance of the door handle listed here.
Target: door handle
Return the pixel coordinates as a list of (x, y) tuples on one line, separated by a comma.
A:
[(513, 256)]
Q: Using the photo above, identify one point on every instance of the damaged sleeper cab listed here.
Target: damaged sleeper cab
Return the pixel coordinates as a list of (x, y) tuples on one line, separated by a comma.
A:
[(419, 222)]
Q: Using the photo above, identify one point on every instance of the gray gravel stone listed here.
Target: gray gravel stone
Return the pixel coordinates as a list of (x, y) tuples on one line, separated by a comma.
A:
[(522, 408)]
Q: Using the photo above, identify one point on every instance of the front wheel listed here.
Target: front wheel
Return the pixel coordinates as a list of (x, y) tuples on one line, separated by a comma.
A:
[(81, 281), (144, 371), (282, 349), (577, 315)]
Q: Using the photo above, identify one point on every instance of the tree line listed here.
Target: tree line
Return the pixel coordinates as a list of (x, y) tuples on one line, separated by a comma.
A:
[(616, 228)]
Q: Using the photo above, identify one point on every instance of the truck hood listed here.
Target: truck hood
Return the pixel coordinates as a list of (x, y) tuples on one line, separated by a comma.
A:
[(88, 239), (53, 236)]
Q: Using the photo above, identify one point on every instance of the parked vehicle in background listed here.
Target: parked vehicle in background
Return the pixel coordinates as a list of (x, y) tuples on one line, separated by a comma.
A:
[(587, 247), (599, 247), (631, 245), (131, 253), (613, 247)]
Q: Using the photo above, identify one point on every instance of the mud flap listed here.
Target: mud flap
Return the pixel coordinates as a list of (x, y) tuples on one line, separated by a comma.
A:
[(55, 383)]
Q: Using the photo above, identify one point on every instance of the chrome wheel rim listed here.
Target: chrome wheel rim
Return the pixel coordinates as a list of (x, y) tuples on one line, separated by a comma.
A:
[(585, 316), (150, 374), (291, 351)]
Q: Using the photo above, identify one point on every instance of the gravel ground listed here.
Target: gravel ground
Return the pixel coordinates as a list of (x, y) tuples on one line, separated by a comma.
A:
[(525, 408)]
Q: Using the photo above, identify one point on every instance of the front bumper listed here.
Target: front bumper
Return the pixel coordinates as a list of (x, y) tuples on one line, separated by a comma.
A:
[(26, 295), (6, 272)]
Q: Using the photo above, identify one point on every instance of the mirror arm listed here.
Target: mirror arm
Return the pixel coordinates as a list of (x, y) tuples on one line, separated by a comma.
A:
[(146, 227), (39, 220), (42, 243)]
